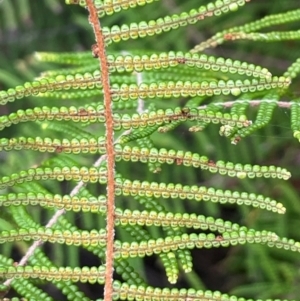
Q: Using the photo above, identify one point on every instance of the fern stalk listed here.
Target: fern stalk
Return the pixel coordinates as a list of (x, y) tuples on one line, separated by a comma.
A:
[(109, 132)]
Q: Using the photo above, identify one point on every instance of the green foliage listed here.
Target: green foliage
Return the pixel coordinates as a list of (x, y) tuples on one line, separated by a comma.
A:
[(53, 156)]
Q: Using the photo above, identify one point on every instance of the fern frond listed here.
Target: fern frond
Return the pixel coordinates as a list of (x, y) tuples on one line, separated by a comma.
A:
[(267, 37), (75, 238), (130, 63), (267, 21), (263, 117), (125, 291), (158, 219), (61, 82), (154, 27), (293, 70), (190, 241), (85, 274), (192, 89), (174, 191), (66, 173), (66, 202), (179, 157)]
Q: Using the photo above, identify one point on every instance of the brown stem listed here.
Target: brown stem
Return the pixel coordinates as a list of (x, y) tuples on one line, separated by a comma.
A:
[(110, 231)]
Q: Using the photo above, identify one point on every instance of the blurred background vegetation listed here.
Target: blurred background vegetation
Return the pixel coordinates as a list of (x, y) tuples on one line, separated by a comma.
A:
[(252, 271)]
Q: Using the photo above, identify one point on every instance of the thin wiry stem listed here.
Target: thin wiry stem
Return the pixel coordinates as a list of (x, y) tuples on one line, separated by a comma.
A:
[(109, 131), (51, 222), (252, 103)]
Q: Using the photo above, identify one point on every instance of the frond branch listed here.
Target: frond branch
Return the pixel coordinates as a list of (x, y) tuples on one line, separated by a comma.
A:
[(109, 125)]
